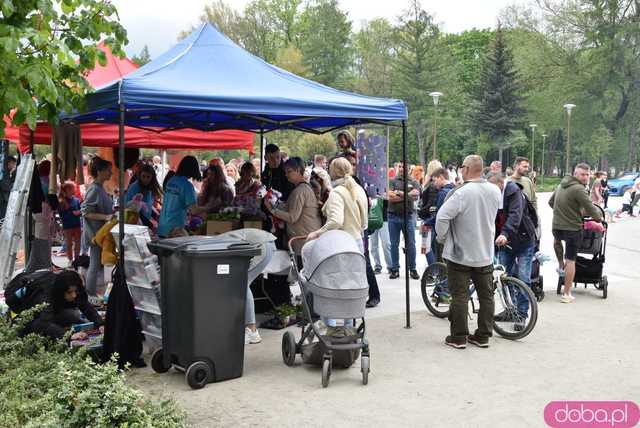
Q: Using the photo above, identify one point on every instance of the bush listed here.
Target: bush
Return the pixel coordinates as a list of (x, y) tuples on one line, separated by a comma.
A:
[(45, 384)]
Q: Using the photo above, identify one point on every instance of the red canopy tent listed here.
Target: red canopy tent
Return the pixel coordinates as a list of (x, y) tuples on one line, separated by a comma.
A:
[(105, 135)]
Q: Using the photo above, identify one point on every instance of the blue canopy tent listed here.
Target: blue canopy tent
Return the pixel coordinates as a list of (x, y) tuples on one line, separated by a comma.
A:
[(209, 83)]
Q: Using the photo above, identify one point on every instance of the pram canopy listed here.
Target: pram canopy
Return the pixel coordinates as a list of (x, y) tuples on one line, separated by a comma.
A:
[(335, 273)]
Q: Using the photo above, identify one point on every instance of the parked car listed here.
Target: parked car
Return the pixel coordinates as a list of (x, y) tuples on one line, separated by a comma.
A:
[(618, 186)]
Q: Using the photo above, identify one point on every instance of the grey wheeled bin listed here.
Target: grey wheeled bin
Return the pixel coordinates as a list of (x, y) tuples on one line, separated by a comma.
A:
[(204, 286)]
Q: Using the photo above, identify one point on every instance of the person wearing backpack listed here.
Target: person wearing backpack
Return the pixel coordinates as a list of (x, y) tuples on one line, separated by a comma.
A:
[(515, 236), (65, 298)]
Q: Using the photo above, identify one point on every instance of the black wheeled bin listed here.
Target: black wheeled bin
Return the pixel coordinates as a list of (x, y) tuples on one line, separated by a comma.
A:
[(204, 286)]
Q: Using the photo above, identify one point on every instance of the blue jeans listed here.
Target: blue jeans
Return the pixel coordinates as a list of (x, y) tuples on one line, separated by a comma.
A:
[(396, 224), (381, 235), (518, 264)]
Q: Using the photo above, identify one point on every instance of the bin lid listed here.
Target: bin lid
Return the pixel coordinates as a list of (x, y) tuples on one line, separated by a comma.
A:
[(204, 246)]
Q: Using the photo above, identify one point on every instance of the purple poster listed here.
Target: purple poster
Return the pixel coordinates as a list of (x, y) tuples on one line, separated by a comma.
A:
[(372, 162)]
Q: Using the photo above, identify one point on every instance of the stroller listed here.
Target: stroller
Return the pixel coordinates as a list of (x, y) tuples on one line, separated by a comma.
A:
[(333, 285), (589, 270), (537, 281)]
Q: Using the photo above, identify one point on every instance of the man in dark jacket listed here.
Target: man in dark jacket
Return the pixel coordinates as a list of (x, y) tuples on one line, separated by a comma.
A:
[(515, 238), (273, 176), (440, 179), (570, 202)]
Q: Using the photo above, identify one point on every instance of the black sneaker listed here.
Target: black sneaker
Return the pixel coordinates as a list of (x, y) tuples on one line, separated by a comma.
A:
[(414, 274), (394, 274), (372, 303), (480, 342), (518, 326), (458, 343), (377, 270), (504, 316)]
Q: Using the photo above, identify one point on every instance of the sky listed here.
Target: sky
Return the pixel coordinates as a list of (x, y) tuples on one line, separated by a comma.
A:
[(156, 23)]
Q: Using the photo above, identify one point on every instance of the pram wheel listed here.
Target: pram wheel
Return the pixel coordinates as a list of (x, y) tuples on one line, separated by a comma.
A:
[(364, 368), (604, 284), (326, 371), (157, 362), (288, 348)]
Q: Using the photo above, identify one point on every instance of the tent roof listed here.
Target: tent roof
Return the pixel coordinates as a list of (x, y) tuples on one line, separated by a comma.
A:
[(106, 135), (207, 82), (115, 68)]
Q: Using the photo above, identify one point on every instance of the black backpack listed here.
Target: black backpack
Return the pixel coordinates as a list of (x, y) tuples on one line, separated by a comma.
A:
[(530, 210), (28, 289)]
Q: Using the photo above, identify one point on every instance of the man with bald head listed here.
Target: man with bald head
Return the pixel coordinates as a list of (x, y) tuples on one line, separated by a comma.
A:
[(465, 224)]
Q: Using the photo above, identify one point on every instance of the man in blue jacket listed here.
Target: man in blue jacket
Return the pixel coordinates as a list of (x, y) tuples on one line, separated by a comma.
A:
[(515, 238)]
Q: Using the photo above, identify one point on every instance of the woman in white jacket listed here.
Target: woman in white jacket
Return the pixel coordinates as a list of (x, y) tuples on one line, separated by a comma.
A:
[(347, 207)]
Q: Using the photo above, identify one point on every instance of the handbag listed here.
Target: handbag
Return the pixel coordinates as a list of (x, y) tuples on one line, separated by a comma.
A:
[(376, 220)]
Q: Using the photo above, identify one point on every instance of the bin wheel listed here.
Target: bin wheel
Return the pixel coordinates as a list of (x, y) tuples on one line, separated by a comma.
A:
[(326, 372), (288, 348), (157, 362), (364, 368), (198, 374), (604, 284)]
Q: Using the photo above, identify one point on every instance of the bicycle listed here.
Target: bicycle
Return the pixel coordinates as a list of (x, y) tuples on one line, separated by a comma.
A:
[(508, 322)]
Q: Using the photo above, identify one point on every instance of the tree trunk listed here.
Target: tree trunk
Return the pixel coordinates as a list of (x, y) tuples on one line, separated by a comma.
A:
[(633, 144), (421, 145)]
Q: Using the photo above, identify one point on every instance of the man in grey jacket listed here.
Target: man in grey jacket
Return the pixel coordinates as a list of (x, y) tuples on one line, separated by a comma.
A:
[(466, 225)]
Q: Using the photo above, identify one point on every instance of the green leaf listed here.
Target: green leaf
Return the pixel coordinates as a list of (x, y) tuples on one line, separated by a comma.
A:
[(7, 8)]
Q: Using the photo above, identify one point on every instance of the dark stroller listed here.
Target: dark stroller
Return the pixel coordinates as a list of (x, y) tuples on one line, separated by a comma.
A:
[(589, 270), (333, 285), (537, 281)]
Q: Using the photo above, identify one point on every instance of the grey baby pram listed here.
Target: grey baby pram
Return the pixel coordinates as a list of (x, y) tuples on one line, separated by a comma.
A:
[(334, 285)]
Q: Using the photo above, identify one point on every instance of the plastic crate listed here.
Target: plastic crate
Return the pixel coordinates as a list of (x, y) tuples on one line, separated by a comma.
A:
[(152, 341), (144, 273), (145, 297), (150, 322)]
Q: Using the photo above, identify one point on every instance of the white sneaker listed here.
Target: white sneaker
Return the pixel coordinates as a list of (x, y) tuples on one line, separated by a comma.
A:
[(560, 271), (251, 337), (567, 299)]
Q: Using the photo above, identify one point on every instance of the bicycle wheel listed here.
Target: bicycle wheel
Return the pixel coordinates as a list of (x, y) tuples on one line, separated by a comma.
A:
[(516, 309), (435, 291)]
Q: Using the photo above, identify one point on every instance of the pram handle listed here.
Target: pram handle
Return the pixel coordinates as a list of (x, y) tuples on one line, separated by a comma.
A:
[(296, 238)]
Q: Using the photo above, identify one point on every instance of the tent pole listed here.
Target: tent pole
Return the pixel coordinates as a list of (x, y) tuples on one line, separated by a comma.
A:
[(163, 168), (261, 150), (405, 225), (121, 187)]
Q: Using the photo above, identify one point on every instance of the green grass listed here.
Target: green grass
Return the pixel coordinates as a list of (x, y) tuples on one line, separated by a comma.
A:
[(550, 184)]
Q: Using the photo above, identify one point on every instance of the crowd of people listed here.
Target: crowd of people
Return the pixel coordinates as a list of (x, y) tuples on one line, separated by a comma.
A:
[(465, 215)]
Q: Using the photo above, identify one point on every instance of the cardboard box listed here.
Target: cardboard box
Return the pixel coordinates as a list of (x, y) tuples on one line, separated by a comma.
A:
[(216, 227), (252, 225)]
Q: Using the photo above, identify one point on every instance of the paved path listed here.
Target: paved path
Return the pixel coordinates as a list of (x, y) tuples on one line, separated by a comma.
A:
[(584, 351)]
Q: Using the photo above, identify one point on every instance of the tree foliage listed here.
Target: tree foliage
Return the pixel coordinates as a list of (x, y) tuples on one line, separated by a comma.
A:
[(497, 96), (45, 48), (143, 57), (552, 52)]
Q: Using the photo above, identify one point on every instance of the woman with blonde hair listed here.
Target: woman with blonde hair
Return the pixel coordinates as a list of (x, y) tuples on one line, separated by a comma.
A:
[(427, 210), (347, 206)]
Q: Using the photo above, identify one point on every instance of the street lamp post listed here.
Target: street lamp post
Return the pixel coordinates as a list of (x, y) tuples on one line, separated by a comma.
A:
[(544, 139), (567, 162), (436, 97), (533, 132)]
